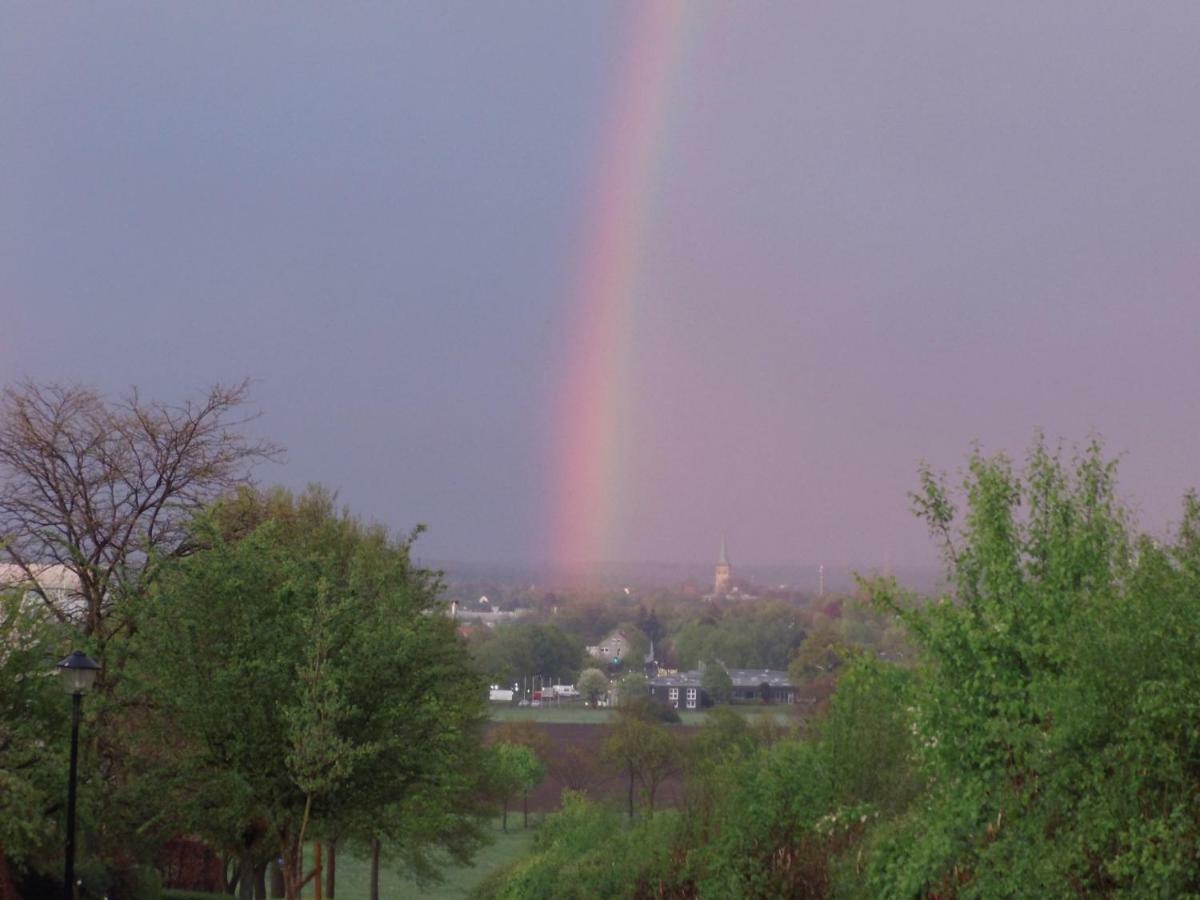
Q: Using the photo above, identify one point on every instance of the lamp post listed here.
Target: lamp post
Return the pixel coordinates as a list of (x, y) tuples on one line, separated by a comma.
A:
[(77, 672)]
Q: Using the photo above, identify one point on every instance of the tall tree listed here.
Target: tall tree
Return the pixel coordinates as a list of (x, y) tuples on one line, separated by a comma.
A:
[(514, 769), (320, 689), (644, 751), (1054, 713), (100, 488), (716, 682), (591, 684)]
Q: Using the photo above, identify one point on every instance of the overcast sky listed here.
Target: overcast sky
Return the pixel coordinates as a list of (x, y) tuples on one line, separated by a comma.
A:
[(879, 233)]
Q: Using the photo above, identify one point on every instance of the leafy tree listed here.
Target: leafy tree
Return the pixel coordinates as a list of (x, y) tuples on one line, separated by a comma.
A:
[(649, 625), (33, 712), (865, 739), (514, 769), (762, 635), (632, 687), (644, 751), (371, 712), (716, 682), (510, 652), (587, 851), (1051, 713), (591, 684), (819, 656)]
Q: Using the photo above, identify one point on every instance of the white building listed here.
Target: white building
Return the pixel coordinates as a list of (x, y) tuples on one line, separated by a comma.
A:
[(56, 583)]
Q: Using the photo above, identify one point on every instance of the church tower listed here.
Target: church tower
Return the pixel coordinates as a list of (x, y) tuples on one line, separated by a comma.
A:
[(723, 577)]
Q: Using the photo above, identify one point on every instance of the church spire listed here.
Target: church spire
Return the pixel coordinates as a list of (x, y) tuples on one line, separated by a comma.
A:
[(723, 575)]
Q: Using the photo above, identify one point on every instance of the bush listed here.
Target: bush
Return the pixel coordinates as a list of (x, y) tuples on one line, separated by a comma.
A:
[(587, 851), (139, 883)]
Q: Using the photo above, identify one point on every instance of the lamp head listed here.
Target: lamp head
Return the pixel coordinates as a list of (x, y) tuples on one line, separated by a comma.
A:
[(78, 671)]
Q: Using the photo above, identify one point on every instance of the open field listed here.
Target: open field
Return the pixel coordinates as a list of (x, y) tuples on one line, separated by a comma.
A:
[(577, 714), (353, 875)]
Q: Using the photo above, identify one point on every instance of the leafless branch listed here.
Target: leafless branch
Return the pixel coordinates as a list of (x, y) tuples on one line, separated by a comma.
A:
[(96, 489)]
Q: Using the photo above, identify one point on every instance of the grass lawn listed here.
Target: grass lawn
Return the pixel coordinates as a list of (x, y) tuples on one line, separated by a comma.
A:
[(353, 875)]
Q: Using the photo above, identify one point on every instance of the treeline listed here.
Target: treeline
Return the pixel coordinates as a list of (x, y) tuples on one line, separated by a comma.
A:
[(807, 636), (1045, 742)]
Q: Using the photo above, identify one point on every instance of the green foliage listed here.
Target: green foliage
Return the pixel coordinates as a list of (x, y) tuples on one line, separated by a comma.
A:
[(632, 687), (512, 769), (509, 653), (300, 669), (866, 740), (760, 636), (716, 682), (591, 685), (643, 750), (821, 653), (588, 851), (34, 733), (1056, 711)]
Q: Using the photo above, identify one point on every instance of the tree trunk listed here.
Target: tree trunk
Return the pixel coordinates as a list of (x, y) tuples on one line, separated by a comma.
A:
[(293, 855), (504, 816), (317, 871), (277, 891), (6, 888), (260, 881), (631, 793), (331, 870), (525, 809), (245, 875), (230, 874), (375, 869)]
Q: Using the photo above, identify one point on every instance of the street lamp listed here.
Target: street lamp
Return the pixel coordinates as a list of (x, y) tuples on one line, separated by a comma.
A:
[(77, 672)]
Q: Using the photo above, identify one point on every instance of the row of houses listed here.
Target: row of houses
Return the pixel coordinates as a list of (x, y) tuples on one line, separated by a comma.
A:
[(685, 690)]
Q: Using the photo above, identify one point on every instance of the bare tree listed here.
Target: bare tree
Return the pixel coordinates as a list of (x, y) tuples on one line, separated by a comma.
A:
[(100, 490)]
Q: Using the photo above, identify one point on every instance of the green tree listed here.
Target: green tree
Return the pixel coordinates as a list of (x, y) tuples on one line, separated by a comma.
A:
[(591, 684), (33, 726), (819, 656), (1050, 712), (753, 635), (631, 687), (644, 751), (716, 682), (514, 769), (586, 851), (305, 669), (509, 653)]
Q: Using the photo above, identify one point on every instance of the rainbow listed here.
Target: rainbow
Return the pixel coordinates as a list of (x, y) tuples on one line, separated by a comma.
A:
[(587, 439)]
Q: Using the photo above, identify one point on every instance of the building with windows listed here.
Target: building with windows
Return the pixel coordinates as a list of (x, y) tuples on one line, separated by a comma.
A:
[(685, 690), (612, 649), (50, 585)]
